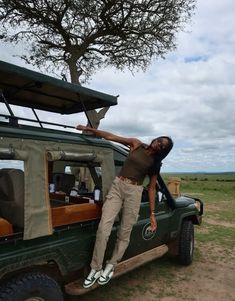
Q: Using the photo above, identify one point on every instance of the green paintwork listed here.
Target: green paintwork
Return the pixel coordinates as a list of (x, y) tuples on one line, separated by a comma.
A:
[(69, 248)]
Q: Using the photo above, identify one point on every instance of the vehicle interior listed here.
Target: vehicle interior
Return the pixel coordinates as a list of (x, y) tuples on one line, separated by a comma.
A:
[(71, 198)]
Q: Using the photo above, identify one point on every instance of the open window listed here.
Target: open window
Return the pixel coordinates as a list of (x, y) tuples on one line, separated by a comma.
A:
[(11, 197), (75, 188), (74, 181)]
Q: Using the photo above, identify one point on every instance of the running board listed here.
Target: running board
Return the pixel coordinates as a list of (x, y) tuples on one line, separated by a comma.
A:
[(76, 288)]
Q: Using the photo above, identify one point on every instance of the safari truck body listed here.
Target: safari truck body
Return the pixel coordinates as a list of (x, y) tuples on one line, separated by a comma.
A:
[(48, 212)]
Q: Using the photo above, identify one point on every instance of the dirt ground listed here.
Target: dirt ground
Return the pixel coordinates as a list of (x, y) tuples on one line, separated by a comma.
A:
[(211, 277)]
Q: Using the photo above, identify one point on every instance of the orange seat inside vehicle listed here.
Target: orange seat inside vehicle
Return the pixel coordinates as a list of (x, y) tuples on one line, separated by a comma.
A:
[(5, 227)]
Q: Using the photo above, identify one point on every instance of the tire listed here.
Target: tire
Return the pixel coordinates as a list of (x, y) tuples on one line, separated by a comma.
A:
[(186, 243), (31, 287)]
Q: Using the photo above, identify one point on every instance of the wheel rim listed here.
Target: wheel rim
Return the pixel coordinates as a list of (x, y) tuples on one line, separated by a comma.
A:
[(35, 299), (191, 246)]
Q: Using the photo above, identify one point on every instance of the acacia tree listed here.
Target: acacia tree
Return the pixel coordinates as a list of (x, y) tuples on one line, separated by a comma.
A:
[(85, 35)]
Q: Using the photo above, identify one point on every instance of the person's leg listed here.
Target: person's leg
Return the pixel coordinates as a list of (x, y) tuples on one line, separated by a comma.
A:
[(110, 209), (130, 212)]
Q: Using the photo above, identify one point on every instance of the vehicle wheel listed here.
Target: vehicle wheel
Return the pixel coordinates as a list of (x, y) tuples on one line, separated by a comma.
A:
[(186, 243), (31, 287)]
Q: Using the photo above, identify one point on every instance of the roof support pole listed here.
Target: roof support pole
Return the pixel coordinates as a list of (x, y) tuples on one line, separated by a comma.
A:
[(12, 119), (35, 114), (85, 111), (6, 103)]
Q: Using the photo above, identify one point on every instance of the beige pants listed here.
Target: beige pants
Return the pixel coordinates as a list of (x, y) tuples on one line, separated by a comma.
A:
[(127, 197)]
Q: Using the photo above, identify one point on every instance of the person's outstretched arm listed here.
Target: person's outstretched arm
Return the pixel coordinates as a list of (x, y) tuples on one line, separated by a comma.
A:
[(132, 142)]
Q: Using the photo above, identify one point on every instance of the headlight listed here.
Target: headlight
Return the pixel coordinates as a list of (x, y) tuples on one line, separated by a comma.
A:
[(197, 205)]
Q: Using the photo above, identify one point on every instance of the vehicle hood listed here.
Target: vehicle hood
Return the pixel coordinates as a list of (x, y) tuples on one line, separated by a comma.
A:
[(183, 201)]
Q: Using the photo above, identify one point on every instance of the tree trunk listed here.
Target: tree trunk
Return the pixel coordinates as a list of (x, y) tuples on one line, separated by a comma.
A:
[(74, 73), (94, 117)]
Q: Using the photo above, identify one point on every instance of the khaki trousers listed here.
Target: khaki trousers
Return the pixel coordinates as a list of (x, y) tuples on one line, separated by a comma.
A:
[(125, 196)]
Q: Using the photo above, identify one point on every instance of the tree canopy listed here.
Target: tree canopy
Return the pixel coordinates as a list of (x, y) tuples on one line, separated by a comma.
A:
[(85, 35)]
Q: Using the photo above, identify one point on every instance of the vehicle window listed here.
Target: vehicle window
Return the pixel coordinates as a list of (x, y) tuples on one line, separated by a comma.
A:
[(17, 164), (65, 176), (68, 170), (160, 196), (11, 196)]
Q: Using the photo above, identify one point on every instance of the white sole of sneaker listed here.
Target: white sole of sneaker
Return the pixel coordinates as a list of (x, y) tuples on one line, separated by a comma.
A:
[(89, 285)]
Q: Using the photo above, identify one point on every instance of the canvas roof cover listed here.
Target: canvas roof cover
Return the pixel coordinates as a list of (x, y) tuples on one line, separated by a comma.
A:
[(35, 90)]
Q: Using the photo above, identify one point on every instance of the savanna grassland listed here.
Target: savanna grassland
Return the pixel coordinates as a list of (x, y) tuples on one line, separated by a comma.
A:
[(211, 277)]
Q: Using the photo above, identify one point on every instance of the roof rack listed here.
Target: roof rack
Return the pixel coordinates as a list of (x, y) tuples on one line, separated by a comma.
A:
[(14, 121)]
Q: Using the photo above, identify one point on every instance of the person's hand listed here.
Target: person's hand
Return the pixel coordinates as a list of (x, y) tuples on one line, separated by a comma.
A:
[(153, 223), (80, 127)]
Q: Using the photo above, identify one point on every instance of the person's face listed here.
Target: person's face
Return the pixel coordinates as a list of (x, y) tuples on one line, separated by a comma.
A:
[(159, 144)]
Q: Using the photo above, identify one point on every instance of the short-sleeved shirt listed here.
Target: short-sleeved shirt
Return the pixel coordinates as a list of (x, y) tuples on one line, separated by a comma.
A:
[(139, 164)]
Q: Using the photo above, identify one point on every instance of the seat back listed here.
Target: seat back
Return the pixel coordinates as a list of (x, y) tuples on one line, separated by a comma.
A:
[(12, 196), (173, 185), (63, 182)]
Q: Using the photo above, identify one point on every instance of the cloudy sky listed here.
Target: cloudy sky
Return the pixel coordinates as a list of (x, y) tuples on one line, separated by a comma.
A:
[(189, 96)]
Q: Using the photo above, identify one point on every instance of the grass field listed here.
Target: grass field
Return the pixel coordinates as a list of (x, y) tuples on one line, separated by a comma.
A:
[(211, 277)]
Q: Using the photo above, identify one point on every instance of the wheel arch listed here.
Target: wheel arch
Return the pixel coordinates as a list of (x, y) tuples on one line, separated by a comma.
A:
[(192, 218), (50, 268), (173, 245)]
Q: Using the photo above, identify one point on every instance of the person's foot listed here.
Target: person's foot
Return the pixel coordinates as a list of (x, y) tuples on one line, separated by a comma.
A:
[(106, 275), (91, 278)]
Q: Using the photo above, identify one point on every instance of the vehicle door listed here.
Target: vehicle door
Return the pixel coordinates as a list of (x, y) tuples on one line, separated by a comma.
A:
[(142, 238)]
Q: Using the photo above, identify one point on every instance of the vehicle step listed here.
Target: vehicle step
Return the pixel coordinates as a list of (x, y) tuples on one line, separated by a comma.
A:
[(76, 288)]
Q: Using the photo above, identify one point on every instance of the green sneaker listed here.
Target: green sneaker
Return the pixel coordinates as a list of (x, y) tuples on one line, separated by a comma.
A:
[(91, 278), (106, 275)]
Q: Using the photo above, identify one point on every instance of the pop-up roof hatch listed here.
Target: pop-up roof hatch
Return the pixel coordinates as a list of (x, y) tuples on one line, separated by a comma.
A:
[(27, 88)]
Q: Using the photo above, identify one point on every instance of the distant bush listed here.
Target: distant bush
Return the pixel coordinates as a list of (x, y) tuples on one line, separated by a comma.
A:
[(225, 180)]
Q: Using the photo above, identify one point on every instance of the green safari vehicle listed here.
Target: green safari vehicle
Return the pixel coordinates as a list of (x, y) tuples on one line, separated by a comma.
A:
[(48, 210)]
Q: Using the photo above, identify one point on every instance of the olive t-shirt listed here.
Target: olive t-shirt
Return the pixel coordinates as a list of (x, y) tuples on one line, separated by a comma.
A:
[(138, 165)]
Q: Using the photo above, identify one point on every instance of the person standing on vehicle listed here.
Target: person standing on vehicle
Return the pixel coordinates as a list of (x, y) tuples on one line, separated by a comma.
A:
[(125, 193)]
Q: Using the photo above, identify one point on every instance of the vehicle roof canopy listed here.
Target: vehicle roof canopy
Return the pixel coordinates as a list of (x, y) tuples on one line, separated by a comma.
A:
[(35, 90)]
